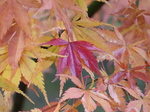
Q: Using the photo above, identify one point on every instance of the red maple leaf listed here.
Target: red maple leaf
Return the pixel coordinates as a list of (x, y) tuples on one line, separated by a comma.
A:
[(130, 75), (78, 53)]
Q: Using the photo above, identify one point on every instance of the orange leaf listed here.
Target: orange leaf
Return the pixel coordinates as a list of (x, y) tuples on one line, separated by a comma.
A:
[(71, 108), (118, 95), (88, 98), (21, 17), (56, 7), (49, 108), (88, 102), (137, 104), (104, 103), (6, 17), (15, 48), (74, 79)]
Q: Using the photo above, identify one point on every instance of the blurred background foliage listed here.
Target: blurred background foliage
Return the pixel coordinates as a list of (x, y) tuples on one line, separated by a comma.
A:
[(20, 103)]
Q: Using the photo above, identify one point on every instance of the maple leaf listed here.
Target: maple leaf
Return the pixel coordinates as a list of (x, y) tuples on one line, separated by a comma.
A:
[(66, 108), (78, 53), (16, 56), (88, 97), (16, 42), (131, 13), (4, 61), (14, 9), (84, 30), (15, 39), (134, 31), (7, 17), (27, 67), (45, 57), (82, 4), (115, 6), (31, 70), (125, 52), (141, 101), (130, 74), (9, 86), (7, 73), (72, 108), (48, 108), (144, 6), (118, 95), (62, 82), (15, 48), (56, 7)]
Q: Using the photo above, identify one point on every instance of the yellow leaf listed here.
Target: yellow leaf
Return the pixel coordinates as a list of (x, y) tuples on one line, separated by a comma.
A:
[(43, 53), (3, 62), (9, 86), (88, 34), (82, 4), (89, 23), (27, 67), (3, 50), (47, 61), (7, 73), (38, 80), (43, 39)]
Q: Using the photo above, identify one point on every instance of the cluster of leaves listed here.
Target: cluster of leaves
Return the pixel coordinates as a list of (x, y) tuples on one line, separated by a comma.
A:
[(51, 31)]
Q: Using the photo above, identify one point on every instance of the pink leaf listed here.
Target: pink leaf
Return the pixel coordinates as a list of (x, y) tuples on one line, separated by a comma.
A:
[(15, 48)]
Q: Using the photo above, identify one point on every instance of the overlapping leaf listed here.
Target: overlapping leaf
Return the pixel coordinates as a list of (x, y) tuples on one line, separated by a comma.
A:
[(88, 97), (15, 48), (10, 9), (126, 52), (130, 75), (19, 59), (55, 6), (129, 45), (83, 30), (118, 95), (7, 85), (82, 4), (78, 53), (140, 102)]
